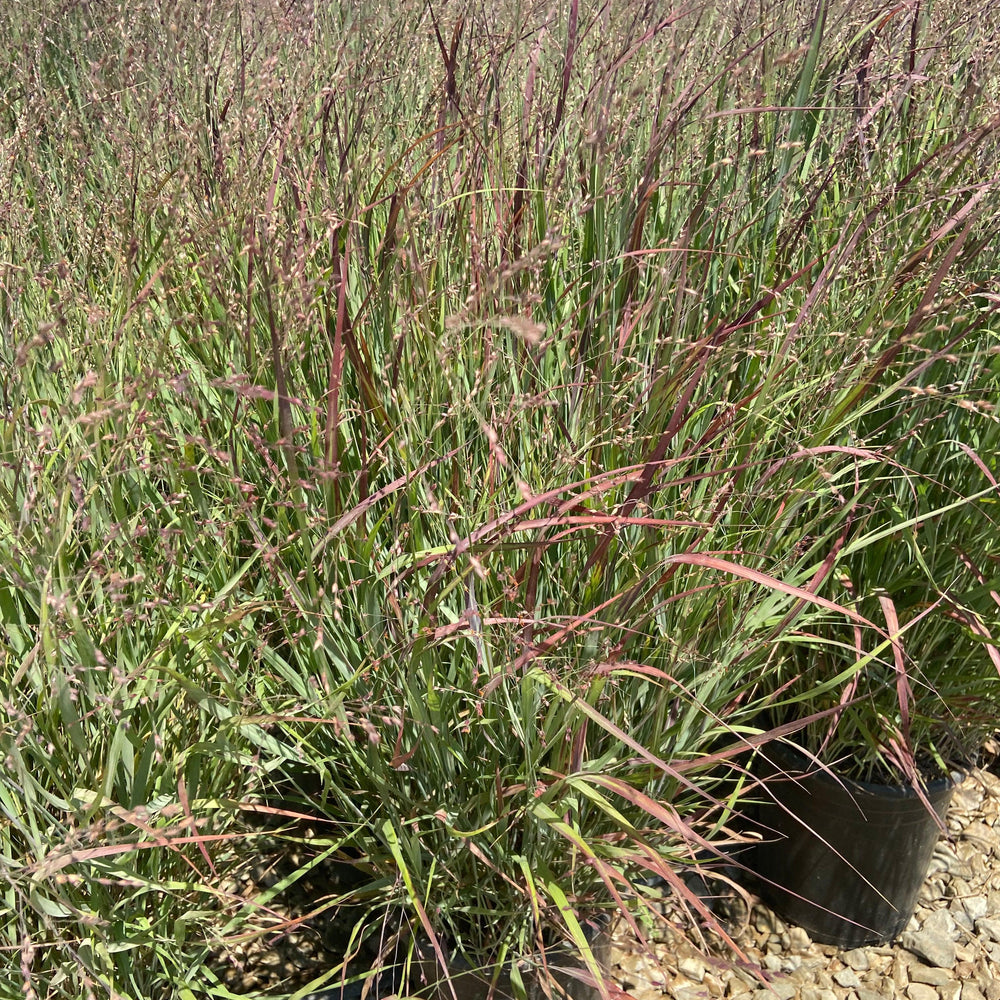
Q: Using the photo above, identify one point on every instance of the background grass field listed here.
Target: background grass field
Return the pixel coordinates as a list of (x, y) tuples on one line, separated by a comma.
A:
[(455, 407)]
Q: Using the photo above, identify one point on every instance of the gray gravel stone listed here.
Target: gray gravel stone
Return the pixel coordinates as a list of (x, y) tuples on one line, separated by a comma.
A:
[(847, 978), (939, 922), (976, 906), (929, 976), (798, 939), (934, 948), (970, 991), (781, 988), (867, 994), (919, 991), (988, 927), (857, 959), (900, 973), (964, 953), (824, 980), (692, 968), (689, 993), (769, 923), (981, 835), (888, 988)]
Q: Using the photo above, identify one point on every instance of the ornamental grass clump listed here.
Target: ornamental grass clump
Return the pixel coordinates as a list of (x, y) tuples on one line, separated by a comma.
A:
[(458, 415)]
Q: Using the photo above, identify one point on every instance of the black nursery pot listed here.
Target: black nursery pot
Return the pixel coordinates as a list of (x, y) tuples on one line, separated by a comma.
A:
[(842, 859)]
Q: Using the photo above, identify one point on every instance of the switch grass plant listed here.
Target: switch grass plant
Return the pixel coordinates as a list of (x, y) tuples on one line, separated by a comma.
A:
[(471, 410)]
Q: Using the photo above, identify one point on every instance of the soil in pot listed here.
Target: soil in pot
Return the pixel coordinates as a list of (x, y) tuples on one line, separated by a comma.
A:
[(462, 981), (842, 859), (562, 963)]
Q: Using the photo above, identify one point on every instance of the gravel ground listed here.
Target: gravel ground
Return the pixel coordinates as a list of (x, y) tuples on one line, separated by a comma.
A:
[(949, 951)]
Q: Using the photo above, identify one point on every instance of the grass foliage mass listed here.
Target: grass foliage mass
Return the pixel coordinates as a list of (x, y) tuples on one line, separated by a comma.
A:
[(488, 418)]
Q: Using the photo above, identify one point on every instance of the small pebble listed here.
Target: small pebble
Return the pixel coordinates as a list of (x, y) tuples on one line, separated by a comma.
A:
[(689, 993), (693, 968), (781, 988), (939, 922), (900, 973), (857, 959), (981, 835), (934, 948), (798, 939), (929, 976), (847, 978), (988, 927), (713, 985)]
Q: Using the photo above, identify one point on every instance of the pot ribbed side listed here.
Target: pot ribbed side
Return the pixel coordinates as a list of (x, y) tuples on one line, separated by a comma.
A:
[(842, 859)]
